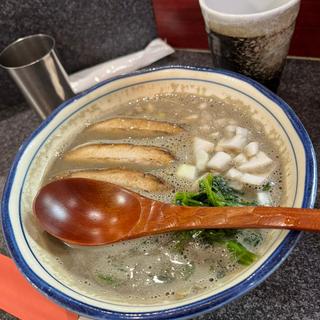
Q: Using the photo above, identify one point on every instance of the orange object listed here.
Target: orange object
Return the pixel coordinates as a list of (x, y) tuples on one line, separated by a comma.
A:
[(18, 297)]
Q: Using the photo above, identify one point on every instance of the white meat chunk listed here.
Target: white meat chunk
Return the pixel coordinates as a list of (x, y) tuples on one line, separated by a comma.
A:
[(230, 131), (201, 144), (234, 144), (202, 158), (258, 163), (240, 159), (187, 171), (234, 174), (251, 149), (220, 161), (252, 179), (242, 131), (236, 185)]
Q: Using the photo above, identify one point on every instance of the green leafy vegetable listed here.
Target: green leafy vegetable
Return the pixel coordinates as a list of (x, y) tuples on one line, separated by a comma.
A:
[(189, 199), (214, 192), (267, 187), (251, 238), (110, 280), (242, 255), (217, 235), (184, 237)]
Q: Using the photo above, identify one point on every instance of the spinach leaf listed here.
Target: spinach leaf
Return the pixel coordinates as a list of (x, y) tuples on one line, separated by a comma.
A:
[(252, 238), (242, 255), (110, 280), (267, 187), (214, 191)]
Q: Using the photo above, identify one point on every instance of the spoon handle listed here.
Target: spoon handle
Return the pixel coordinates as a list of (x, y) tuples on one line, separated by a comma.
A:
[(160, 217)]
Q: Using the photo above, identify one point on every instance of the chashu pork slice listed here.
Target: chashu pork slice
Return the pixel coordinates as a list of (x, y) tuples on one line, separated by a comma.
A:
[(124, 127), (120, 154), (130, 179)]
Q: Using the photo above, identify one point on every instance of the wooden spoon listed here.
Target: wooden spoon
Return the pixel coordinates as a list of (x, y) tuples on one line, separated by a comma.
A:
[(90, 212)]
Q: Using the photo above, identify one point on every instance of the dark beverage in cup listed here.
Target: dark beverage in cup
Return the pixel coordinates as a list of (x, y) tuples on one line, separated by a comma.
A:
[(252, 41)]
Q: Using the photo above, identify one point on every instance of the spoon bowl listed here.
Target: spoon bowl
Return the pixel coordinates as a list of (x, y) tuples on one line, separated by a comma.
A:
[(83, 211)]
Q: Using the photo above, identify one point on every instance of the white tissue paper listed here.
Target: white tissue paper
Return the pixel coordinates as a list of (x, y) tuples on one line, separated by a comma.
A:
[(84, 79)]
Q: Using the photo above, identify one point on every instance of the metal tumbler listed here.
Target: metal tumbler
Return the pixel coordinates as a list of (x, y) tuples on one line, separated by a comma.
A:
[(33, 64)]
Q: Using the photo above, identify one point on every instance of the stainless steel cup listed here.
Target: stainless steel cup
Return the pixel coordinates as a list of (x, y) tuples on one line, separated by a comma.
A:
[(33, 64)]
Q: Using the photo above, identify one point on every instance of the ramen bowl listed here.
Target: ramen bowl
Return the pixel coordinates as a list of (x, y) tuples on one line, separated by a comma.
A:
[(26, 241)]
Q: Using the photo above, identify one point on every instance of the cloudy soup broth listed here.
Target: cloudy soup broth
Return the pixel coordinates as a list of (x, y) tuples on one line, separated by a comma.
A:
[(179, 148)]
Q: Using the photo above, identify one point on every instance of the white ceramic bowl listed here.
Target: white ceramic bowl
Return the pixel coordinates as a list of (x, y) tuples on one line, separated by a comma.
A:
[(40, 266)]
